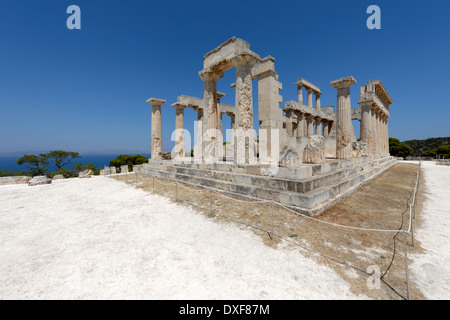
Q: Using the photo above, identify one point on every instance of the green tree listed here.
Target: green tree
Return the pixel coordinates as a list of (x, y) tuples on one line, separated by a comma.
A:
[(61, 157), (399, 149), (442, 151), (34, 163), (129, 160)]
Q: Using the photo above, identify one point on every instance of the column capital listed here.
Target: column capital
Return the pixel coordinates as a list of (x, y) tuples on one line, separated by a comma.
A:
[(178, 106), (365, 103), (249, 58), (341, 83), (156, 102), (210, 76), (288, 112)]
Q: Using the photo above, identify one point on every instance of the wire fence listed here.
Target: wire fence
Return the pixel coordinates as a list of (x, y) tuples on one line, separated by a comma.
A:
[(270, 218)]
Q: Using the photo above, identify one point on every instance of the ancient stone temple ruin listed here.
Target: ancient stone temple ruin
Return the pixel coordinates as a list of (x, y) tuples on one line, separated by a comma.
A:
[(304, 155)]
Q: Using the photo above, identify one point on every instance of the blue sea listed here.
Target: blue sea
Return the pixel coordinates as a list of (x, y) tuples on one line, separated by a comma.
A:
[(98, 160)]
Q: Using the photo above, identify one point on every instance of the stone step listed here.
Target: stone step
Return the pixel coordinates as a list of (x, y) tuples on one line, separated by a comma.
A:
[(296, 185), (311, 202)]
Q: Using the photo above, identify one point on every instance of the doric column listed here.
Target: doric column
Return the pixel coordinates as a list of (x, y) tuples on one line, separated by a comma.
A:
[(310, 93), (244, 100), (345, 134), (318, 100), (310, 125), (366, 126), (289, 125), (156, 127), (210, 112), (326, 123), (377, 134), (199, 125), (233, 126), (318, 126), (300, 94), (301, 132), (387, 137), (179, 129)]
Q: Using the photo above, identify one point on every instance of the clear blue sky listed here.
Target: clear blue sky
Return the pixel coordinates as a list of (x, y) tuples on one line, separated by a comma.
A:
[(86, 90)]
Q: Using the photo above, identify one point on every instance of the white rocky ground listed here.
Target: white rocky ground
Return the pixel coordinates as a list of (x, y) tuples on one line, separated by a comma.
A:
[(101, 239), (431, 270)]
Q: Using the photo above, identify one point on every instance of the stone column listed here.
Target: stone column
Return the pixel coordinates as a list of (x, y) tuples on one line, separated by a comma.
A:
[(233, 126), (310, 93), (210, 114), (366, 126), (179, 129), (387, 137), (156, 127), (300, 95), (325, 128), (199, 125), (345, 134), (318, 100), (318, 126), (289, 125), (377, 134), (310, 125), (244, 100), (301, 132)]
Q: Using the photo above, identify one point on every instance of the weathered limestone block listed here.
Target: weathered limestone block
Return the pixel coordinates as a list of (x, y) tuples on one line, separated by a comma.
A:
[(58, 177), (88, 172), (289, 158), (360, 149), (38, 180), (314, 151), (124, 169), (14, 180), (83, 175), (166, 155)]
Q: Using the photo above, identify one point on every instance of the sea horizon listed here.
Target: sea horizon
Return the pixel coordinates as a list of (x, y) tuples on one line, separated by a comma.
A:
[(98, 160)]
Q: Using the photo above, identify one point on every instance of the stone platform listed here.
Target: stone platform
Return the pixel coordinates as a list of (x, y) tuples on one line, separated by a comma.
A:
[(309, 189)]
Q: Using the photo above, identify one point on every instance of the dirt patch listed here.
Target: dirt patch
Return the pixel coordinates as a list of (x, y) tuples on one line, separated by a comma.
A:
[(383, 203)]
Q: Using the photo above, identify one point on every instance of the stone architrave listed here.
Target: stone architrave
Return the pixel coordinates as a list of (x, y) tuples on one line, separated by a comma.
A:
[(156, 127), (345, 134), (315, 150)]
